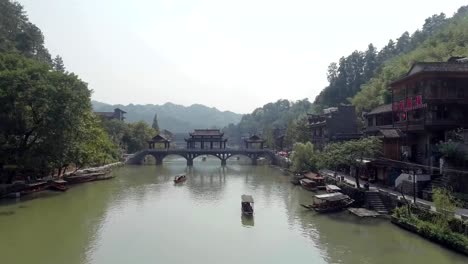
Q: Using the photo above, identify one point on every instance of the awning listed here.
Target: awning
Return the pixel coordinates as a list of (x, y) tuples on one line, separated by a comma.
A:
[(332, 197), (247, 198), (333, 187), (308, 181)]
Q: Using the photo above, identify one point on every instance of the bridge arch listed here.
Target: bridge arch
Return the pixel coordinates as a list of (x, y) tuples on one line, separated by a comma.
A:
[(191, 154)]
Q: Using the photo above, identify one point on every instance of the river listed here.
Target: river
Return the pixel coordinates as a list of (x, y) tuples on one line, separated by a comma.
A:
[(142, 217)]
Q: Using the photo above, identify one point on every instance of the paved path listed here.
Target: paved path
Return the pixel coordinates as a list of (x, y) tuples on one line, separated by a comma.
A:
[(459, 213)]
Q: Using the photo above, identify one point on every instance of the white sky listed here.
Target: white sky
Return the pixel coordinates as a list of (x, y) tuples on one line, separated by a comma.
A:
[(232, 55)]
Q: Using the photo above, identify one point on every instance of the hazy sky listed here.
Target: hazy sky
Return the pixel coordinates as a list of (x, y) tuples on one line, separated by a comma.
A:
[(233, 55)]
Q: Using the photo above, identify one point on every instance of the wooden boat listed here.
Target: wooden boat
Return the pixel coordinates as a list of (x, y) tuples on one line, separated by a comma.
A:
[(308, 184), (332, 188), (180, 178), (247, 203), (318, 179), (84, 177), (34, 187), (58, 185), (330, 202), (295, 179)]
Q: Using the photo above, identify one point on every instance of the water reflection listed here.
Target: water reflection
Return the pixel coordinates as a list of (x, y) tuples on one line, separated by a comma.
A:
[(247, 221), (142, 217)]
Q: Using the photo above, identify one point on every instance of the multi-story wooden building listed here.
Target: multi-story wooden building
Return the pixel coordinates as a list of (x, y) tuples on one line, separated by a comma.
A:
[(430, 100), (335, 124), (118, 114)]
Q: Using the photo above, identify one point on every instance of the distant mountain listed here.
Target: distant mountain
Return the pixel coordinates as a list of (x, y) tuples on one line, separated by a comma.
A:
[(175, 118)]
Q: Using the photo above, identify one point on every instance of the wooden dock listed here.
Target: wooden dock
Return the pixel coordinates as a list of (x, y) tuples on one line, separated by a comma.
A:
[(363, 212)]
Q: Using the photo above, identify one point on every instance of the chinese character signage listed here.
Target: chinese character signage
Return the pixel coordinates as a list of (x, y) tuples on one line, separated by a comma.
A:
[(408, 104)]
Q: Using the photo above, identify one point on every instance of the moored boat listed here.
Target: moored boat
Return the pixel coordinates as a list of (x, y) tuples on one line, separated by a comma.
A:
[(317, 178), (84, 177), (34, 187), (308, 184), (58, 185), (247, 203), (180, 178), (295, 179), (332, 188), (330, 202)]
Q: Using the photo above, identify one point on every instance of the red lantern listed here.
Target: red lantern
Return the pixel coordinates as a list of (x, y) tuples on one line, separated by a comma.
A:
[(409, 103), (418, 100)]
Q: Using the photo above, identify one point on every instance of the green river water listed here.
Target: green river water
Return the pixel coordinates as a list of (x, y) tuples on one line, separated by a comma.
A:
[(142, 217)]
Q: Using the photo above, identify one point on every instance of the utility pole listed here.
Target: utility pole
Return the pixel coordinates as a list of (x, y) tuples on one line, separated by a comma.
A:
[(414, 187)]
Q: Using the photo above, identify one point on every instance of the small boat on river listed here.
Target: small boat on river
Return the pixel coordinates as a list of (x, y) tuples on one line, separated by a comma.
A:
[(247, 204), (308, 184), (84, 177), (58, 185), (330, 202), (295, 179), (34, 187), (180, 178), (317, 178), (332, 188)]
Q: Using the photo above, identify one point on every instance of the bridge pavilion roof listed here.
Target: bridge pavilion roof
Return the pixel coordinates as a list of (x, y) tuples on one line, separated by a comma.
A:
[(159, 139), (207, 132), (254, 139)]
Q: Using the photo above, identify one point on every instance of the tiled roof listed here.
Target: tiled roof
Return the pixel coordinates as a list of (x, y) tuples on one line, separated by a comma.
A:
[(206, 132), (381, 109), (459, 65), (159, 138), (391, 133)]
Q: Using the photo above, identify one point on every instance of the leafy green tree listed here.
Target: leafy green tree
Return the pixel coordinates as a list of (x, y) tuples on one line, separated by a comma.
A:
[(350, 153), (304, 157), (139, 134), (445, 205), (17, 34), (45, 116), (303, 132), (290, 134), (275, 115)]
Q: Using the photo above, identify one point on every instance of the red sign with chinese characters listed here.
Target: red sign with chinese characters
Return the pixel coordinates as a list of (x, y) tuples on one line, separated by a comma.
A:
[(408, 104)]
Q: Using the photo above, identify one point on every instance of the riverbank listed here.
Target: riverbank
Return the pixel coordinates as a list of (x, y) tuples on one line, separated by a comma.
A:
[(20, 188), (454, 236)]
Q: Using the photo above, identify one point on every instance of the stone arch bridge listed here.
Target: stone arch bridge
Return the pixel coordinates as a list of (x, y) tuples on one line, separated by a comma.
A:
[(191, 154)]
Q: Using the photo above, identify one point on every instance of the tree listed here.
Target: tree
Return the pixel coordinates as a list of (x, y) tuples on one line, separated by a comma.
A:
[(58, 64), (46, 116), (303, 133), (17, 34), (290, 134), (445, 205), (350, 153), (138, 135), (304, 157), (155, 125)]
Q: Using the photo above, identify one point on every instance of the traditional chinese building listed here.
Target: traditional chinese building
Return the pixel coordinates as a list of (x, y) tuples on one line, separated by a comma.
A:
[(117, 114), (335, 124), (254, 142), (206, 139), (159, 141), (430, 100)]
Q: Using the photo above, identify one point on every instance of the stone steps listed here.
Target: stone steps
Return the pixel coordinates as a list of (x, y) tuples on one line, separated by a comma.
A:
[(375, 202)]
